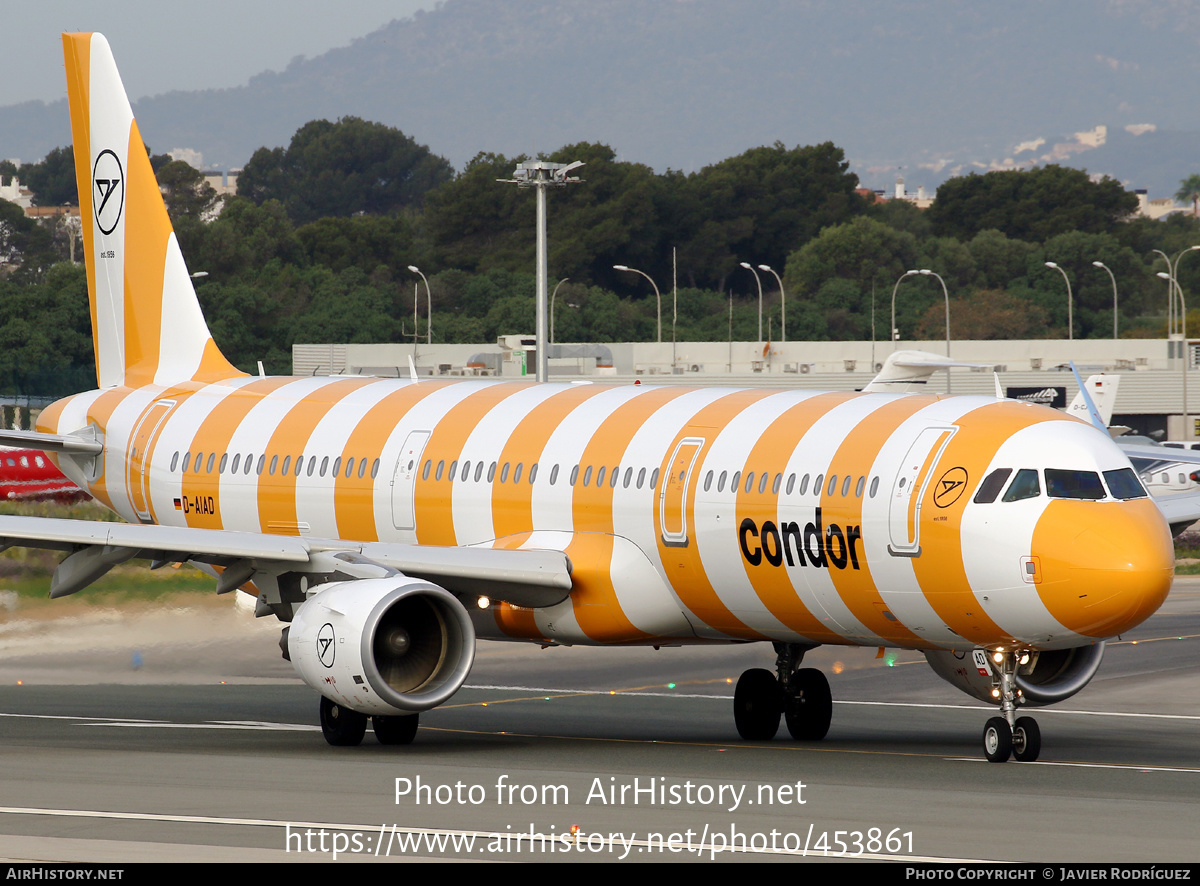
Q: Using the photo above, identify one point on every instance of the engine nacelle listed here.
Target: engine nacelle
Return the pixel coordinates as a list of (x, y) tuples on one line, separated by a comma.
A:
[(385, 646), (1051, 676)]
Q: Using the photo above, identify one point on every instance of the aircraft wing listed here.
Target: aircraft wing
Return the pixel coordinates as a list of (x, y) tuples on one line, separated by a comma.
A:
[(522, 577), (1181, 509), (1159, 453)]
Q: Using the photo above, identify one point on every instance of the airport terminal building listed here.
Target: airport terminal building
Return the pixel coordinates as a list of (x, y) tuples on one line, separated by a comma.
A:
[(1156, 374)]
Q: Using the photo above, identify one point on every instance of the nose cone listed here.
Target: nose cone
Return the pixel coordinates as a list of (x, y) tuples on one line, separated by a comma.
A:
[(1105, 566)]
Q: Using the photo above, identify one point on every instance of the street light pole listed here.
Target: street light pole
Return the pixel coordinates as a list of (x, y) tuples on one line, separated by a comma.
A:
[(1174, 269), (1070, 301), (1170, 293), (1175, 287), (749, 267), (946, 295), (542, 174), (428, 306), (782, 303), (892, 333), (554, 295), (657, 295), (1100, 264)]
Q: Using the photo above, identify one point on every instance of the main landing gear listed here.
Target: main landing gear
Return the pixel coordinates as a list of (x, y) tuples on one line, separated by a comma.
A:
[(343, 727), (800, 695), (1009, 735)]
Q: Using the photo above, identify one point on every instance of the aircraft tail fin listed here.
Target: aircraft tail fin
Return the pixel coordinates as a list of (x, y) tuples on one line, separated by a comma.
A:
[(1102, 391), (146, 321)]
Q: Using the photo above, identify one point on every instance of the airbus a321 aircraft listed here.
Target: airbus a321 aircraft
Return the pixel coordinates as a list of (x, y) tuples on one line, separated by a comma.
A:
[(389, 523)]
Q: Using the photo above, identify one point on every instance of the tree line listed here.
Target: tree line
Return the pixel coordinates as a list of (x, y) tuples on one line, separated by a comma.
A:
[(317, 243)]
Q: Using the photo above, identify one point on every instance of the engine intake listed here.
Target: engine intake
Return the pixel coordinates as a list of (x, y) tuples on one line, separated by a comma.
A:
[(382, 645), (1054, 675)]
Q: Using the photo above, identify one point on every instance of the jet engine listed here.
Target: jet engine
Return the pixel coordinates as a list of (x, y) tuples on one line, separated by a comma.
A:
[(382, 646), (1048, 676)]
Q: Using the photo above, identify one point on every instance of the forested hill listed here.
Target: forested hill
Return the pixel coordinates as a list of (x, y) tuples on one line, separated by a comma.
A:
[(684, 84)]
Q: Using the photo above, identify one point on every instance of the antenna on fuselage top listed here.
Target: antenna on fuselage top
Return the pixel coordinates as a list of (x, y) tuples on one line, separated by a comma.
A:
[(1093, 412), (412, 369)]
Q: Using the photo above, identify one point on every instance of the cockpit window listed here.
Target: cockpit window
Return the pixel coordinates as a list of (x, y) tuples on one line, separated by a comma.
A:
[(1074, 484), (990, 487), (1025, 486), (1124, 484)]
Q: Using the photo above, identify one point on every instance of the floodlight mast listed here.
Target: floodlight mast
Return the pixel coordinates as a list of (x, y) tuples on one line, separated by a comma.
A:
[(542, 174)]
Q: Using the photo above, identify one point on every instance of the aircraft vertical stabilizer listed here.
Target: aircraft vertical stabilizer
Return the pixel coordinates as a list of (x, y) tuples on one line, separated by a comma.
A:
[(146, 321)]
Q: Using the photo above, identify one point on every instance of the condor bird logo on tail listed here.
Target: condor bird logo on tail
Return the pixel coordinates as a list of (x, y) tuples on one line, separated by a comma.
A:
[(109, 179)]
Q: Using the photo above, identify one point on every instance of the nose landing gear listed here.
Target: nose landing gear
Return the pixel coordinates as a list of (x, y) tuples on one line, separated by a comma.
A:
[(800, 695), (1009, 735)]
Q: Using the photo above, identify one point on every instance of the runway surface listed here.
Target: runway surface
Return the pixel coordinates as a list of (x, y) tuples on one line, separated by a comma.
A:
[(180, 734)]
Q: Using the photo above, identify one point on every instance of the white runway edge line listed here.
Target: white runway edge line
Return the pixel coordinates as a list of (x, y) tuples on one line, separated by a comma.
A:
[(706, 848), (167, 724), (543, 690), (1127, 767)]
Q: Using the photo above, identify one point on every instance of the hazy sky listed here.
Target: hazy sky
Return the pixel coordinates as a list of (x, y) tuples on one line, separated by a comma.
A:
[(164, 46)]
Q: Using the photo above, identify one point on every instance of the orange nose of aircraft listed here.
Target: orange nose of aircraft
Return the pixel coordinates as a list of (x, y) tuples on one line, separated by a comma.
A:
[(1105, 566)]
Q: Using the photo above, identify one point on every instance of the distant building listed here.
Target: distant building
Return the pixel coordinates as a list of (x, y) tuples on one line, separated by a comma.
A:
[(1158, 207), (12, 191)]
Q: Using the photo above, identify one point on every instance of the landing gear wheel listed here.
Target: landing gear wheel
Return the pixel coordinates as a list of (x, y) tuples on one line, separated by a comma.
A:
[(808, 707), (757, 704), (997, 740), (341, 726), (395, 730), (1026, 739)]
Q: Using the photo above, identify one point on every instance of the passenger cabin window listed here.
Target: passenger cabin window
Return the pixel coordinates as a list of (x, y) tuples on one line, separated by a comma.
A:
[(1025, 486), (1083, 485)]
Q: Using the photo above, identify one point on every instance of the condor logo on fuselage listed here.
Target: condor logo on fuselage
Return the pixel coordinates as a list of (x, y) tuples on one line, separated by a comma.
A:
[(823, 547)]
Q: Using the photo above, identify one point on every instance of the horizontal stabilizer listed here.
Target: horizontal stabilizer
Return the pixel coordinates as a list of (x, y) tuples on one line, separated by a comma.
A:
[(69, 444)]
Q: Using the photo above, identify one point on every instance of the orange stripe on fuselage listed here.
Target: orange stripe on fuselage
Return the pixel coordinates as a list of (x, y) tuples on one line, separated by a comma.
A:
[(598, 612), (214, 435), (99, 413), (773, 585), (431, 497), (353, 498), (939, 569), (512, 503), (856, 455), (277, 494), (683, 566)]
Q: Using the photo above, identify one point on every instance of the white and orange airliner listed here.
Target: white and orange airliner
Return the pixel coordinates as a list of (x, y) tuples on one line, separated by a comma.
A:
[(389, 522)]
